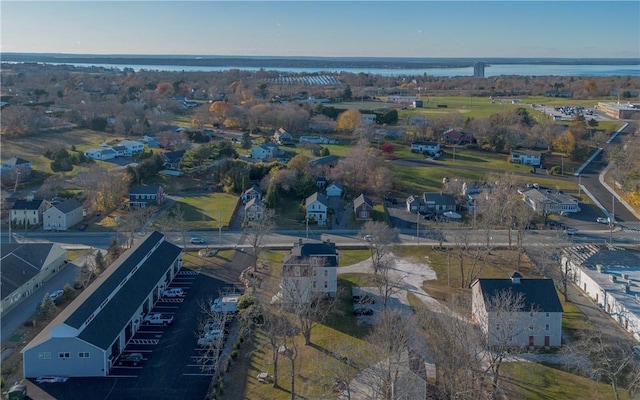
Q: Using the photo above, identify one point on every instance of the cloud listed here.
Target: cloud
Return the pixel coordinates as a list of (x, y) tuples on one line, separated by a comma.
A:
[(419, 31)]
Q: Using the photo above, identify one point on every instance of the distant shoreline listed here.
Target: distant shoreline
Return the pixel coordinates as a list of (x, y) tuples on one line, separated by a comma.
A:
[(301, 62)]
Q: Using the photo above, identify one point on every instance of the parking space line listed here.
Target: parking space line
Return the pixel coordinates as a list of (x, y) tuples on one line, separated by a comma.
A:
[(211, 374), (123, 376)]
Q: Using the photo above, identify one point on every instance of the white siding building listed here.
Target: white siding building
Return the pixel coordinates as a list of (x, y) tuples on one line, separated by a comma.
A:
[(309, 270), (86, 337), (317, 206), (611, 278), (62, 216), (537, 323)]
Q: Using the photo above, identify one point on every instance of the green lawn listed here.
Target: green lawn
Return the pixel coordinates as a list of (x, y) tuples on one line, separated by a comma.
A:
[(207, 211), (536, 381)]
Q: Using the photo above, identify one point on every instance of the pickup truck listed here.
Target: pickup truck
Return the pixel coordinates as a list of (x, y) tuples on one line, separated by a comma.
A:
[(157, 319)]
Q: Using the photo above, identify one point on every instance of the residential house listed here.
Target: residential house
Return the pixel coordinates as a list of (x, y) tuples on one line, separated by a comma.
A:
[(282, 137), (414, 204), (363, 208), (101, 154), (325, 161), (253, 192), (25, 267), (254, 210), (265, 151), (437, 202), (16, 162), (334, 189), (317, 140), (454, 136), (140, 196), (62, 216), (425, 147), (171, 159), (16, 169), (317, 208), (309, 270), (549, 202), (86, 338), (369, 119), (133, 147), (151, 142), (526, 157), (28, 211), (518, 312), (610, 276), (121, 151)]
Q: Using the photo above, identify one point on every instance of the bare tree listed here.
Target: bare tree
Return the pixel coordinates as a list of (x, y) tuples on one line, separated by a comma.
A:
[(612, 360), (456, 348), (309, 307), (504, 322), (388, 357), (135, 220), (256, 231)]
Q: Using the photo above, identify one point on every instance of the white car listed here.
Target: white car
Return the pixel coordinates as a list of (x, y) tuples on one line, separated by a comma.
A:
[(197, 240), (601, 220), (571, 231), (56, 295)]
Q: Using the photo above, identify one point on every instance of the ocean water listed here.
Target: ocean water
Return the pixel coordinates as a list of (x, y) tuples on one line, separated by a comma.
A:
[(490, 70)]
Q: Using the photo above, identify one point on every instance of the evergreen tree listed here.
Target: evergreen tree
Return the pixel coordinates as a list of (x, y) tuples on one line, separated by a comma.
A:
[(246, 140), (47, 307), (271, 199), (101, 263)]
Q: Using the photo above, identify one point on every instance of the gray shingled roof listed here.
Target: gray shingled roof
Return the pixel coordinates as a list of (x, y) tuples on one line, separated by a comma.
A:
[(111, 320), (362, 199), (306, 250), (15, 161), (21, 262), (68, 205), (102, 289), (27, 205), (317, 197), (142, 189), (539, 294)]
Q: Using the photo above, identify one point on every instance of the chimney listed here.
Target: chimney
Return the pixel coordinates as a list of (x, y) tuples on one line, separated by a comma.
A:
[(300, 241)]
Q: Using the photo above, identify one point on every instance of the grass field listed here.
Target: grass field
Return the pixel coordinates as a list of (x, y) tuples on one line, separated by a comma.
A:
[(207, 211)]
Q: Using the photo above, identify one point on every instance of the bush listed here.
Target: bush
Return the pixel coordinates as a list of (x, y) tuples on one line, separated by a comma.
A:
[(234, 354), (555, 170)]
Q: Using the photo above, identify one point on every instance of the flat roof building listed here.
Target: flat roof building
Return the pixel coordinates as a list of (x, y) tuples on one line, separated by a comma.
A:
[(619, 111)]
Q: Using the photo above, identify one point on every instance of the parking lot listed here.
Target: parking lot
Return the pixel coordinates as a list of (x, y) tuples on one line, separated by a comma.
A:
[(170, 366)]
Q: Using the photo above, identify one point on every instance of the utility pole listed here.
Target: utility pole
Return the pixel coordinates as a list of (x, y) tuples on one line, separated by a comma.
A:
[(220, 228), (418, 226), (579, 185)]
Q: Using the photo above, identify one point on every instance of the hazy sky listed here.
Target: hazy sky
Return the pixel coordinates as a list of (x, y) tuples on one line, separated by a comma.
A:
[(592, 29)]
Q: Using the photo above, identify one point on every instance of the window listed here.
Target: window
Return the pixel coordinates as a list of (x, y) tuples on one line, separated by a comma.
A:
[(64, 355), (45, 355), (547, 315), (326, 284), (497, 327), (530, 327), (296, 271), (326, 273), (546, 327), (83, 355)]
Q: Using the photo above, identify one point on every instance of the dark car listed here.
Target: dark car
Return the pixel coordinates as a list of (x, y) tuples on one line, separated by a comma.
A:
[(363, 311), (366, 299), (130, 359), (82, 227)]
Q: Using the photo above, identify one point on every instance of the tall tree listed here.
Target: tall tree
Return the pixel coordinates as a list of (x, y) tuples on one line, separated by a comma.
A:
[(565, 142), (349, 120), (256, 231)]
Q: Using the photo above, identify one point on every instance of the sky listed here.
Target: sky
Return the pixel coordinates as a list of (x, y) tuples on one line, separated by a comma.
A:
[(558, 29)]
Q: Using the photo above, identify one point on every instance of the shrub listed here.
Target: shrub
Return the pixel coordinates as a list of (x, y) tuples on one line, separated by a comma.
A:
[(555, 170), (234, 354)]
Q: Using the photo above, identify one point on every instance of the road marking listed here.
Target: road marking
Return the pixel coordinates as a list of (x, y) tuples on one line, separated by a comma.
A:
[(198, 374), (170, 300), (187, 272), (144, 341), (123, 376)]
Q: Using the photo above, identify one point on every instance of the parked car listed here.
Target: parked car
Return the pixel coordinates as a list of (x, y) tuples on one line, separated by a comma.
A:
[(601, 220), (636, 349), (130, 359), (366, 299), (51, 379), (197, 240), (173, 292), (571, 231), (56, 295), (368, 238), (363, 311), (83, 227), (157, 319), (212, 338)]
